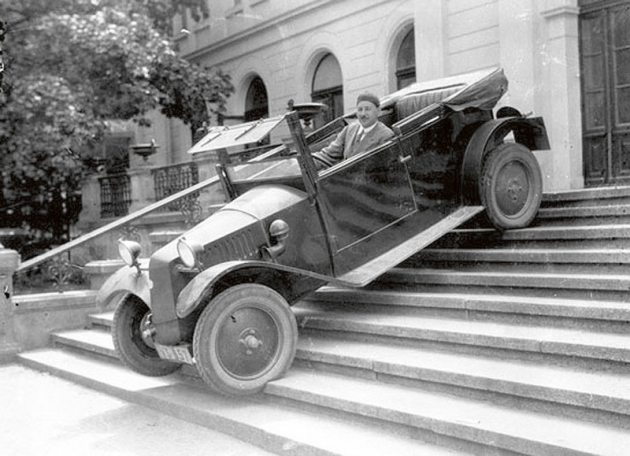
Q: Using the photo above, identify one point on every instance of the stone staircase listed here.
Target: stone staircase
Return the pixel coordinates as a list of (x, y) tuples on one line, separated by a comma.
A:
[(486, 343)]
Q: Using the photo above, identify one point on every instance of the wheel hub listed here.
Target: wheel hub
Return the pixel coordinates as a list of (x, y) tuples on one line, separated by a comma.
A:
[(147, 330), (250, 340), (514, 189)]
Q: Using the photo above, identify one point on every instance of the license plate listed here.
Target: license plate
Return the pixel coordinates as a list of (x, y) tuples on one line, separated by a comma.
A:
[(178, 353)]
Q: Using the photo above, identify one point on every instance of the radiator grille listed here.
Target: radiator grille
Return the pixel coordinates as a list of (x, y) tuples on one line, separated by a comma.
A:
[(238, 246)]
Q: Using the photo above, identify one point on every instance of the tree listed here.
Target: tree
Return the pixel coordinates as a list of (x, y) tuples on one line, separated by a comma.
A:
[(70, 65)]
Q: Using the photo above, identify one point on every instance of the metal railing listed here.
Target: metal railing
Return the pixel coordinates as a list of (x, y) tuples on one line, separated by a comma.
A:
[(171, 179)]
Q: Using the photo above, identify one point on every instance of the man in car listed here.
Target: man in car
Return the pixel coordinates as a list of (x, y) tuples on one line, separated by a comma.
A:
[(356, 138)]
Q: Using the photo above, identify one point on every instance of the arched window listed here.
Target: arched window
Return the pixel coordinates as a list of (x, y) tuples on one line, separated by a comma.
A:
[(256, 102), (406, 61), (328, 89)]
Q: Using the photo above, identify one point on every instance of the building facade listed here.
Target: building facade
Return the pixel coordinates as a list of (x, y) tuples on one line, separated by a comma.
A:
[(566, 60)]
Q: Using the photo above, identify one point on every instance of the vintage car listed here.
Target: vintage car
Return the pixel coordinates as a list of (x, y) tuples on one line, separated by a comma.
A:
[(219, 297)]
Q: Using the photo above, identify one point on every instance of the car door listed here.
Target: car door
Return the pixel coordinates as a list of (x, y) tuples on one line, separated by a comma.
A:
[(364, 202)]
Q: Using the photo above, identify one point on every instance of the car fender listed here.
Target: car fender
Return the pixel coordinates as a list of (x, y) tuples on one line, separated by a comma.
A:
[(125, 281), (202, 285), (530, 132)]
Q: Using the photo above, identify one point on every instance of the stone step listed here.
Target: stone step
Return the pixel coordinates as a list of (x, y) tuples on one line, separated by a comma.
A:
[(587, 197), (503, 254), (583, 212), (503, 277), (560, 233), (103, 320), (278, 428), (95, 341), (556, 233), (603, 214), (582, 236), (503, 303), (482, 422), (487, 375), (593, 270), (520, 339)]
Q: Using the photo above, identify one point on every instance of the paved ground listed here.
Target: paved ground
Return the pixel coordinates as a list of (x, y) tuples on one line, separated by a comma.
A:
[(44, 415)]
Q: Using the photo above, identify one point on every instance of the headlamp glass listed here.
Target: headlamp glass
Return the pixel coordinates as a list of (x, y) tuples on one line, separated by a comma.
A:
[(189, 252), (129, 251)]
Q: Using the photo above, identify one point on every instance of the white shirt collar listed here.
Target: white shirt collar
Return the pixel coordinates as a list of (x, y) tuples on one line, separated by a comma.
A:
[(368, 129)]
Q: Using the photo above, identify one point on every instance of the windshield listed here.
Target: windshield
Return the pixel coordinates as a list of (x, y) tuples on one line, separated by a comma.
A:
[(274, 169)]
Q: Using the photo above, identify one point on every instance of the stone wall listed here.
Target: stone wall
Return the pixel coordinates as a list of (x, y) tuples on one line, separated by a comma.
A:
[(27, 321), (535, 41)]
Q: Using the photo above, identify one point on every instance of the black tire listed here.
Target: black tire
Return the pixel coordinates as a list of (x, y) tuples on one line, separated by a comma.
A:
[(245, 337), (132, 320), (511, 186)]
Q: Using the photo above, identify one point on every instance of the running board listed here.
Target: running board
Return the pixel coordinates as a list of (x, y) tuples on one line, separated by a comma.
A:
[(366, 273)]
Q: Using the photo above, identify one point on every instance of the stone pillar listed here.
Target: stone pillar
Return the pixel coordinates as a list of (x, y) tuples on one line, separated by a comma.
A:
[(518, 54), (9, 262), (90, 203), (429, 32), (560, 78), (142, 188)]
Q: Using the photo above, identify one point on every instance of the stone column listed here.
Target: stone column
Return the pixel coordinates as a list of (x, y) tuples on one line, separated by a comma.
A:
[(142, 188), (560, 77), (429, 31), (90, 203), (9, 262)]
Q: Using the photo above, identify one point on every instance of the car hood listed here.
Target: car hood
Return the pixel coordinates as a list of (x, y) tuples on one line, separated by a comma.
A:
[(240, 227), (264, 201)]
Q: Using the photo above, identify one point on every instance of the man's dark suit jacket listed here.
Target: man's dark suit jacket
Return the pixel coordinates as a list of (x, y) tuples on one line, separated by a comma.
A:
[(345, 144)]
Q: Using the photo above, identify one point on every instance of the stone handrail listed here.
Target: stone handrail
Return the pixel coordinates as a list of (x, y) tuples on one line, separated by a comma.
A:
[(115, 224)]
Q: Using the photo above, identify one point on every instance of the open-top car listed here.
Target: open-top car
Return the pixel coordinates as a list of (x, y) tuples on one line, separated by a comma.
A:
[(219, 297)]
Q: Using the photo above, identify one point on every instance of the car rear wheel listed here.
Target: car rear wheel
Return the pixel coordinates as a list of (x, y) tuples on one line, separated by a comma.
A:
[(511, 186), (245, 337), (133, 338)]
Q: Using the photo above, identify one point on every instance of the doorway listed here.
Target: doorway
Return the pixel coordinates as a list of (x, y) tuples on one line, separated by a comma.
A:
[(605, 68)]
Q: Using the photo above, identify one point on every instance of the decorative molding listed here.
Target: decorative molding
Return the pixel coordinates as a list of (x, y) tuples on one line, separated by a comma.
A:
[(251, 31), (564, 10)]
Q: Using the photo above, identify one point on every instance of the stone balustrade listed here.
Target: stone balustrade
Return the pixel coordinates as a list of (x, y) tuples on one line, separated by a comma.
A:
[(27, 321), (9, 262)]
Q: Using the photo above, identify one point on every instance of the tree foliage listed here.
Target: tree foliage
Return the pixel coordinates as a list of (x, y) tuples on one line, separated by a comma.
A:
[(70, 65)]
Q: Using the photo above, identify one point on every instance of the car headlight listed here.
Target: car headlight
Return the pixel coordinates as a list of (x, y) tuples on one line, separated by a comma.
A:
[(189, 252), (129, 251)]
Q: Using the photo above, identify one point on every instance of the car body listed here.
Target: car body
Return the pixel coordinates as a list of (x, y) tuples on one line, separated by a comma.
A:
[(219, 296)]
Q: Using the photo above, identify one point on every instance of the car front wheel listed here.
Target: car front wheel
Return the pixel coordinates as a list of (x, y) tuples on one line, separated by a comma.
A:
[(244, 338), (133, 338), (511, 186)]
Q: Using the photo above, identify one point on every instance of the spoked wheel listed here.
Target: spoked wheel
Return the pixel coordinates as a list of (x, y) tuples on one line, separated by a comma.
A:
[(133, 338), (245, 337), (511, 186)]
